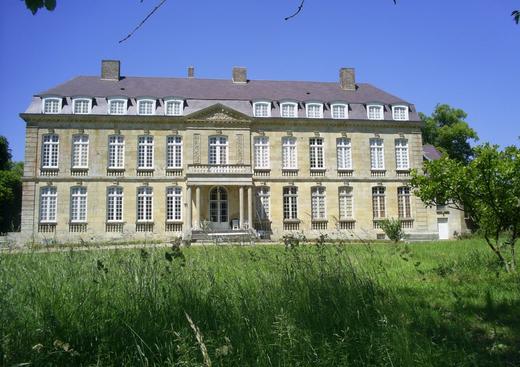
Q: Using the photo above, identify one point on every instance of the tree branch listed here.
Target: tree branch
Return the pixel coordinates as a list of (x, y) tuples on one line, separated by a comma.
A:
[(297, 11), (143, 21)]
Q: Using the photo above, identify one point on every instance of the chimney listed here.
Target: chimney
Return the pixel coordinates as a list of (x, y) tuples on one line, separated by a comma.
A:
[(347, 78), (239, 75), (110, 69), (191, 72)]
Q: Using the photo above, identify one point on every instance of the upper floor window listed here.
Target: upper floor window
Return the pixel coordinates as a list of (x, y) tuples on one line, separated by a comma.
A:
[(146, 107), (339, 111), (289, 109), (290, 203), (377, 161), (401, 154), (344, 154), (174, 152), (116, 151), (403, 202), (51, 105), (117, 106), (346, 205), (378, 202), (261, 152), (289, 153), (78, 204), (81, 106), (218, 150), (48, 204), (375, 112), (262, 109), (174, 203), (316, 153), (115, 204), (262, 202), (314, 110), (80, 151), (50, 151), (174, 107), (144, 204), (145, 152), (400, 112), (318, 207)]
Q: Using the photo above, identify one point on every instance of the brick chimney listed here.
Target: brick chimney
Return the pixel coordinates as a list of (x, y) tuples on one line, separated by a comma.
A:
[(191, 72), (347, 78), (239, 75), (110, 69)]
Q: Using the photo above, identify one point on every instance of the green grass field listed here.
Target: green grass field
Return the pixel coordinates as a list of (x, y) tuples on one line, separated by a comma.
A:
[(435, 304)]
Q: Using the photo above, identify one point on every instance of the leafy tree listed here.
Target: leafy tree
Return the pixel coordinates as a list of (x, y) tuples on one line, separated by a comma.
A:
[(5, 154), (10, 189), (447, 130), (487, 189), (392, 228), (35, 5)]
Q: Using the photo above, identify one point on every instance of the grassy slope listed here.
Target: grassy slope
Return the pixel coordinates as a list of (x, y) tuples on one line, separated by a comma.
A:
[(437, 304)]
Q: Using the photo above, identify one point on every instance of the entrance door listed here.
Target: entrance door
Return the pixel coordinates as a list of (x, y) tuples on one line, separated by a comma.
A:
[(218, 208), (444, 231)]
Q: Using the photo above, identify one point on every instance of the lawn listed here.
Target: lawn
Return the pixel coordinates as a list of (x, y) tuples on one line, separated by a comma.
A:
[(434, 304)]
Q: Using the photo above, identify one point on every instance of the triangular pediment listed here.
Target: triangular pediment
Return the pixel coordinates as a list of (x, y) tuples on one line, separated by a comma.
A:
[(218, 113)]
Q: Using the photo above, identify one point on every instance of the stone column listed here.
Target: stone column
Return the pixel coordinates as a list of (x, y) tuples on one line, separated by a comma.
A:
[(241, 205), (250, 206), (197, 204), (189, 208)]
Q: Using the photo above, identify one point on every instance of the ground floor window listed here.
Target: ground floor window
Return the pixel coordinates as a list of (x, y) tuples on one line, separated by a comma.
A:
[(48, 204), (262, 203), (290, 203), (173, 204), (318, 203)]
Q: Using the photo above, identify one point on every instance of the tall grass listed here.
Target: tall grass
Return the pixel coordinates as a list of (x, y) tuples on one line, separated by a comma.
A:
[(327, 305)]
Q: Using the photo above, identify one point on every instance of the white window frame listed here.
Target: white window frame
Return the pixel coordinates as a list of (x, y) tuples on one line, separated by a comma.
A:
[(311, 115), (262, 103), (404, 202), (216, 150), (316, 154), (125, 106), (346, 198), (174, 204), (78, 204), (344, 154), (318, 203), (379, 202), (402, 154), (289, 153), (261, 152), (290, 203), (146, 100), (115, 199), (377, 163), (263, 202), (174, 101), (293, 104), (50, 151), (80, 150), (174, 152), (406, 115), (381, 109), (48, 204), (89, 105), (144, 204), (118, 152), (145, 152), (344, 105), (52, 111)]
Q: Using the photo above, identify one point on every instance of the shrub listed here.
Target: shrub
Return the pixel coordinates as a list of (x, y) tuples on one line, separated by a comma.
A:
[(392, 229)]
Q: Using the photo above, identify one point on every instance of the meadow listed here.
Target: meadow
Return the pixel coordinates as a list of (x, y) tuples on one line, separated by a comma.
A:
[(428, 304)]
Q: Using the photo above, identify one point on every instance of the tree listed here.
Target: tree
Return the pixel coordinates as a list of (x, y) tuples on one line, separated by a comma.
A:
[(35, 5), (10, 189), (487, 189), (447, 130), (5, 154)]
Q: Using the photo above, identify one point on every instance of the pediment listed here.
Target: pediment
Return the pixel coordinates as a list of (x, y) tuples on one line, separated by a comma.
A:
[(218, 113)]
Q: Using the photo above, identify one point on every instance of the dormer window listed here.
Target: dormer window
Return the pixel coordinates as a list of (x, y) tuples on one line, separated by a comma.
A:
[(314, 110), (289, 109), (81, 106), (400, 113), (146, 107), (51, 105), (174, 107), (375, 111), (339, 111), (117, 106), (262, 109)]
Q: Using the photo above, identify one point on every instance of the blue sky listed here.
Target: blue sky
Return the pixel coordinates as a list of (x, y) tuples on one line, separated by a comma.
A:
[(464, 53)]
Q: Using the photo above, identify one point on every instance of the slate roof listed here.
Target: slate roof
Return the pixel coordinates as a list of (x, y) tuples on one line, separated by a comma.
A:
[(430, 152)]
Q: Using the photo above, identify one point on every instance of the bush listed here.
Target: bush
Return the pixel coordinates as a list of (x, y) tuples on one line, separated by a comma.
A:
[(392, 229)]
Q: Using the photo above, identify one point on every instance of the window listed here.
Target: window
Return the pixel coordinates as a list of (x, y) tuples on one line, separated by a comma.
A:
[(174, 152), (401, 154), (346, 204), (50, 151), (262, 203), (400, 112), (78, 204), (377, 154), (403, 202), (51, 105), (174, 107), (318, 203), (173, 204), (378, 202), (261, 148), (218, 147), (339, 111), (262, 109), (116, 151), (289, 109), (48, 204), (146, 107), (344, 154), (375, 112), (289, 153), (316, 153), (144, 204), (314, 110), (115, 204), (80, 151), (290, 205), (82, 105), (117, 106), (145, 152)]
